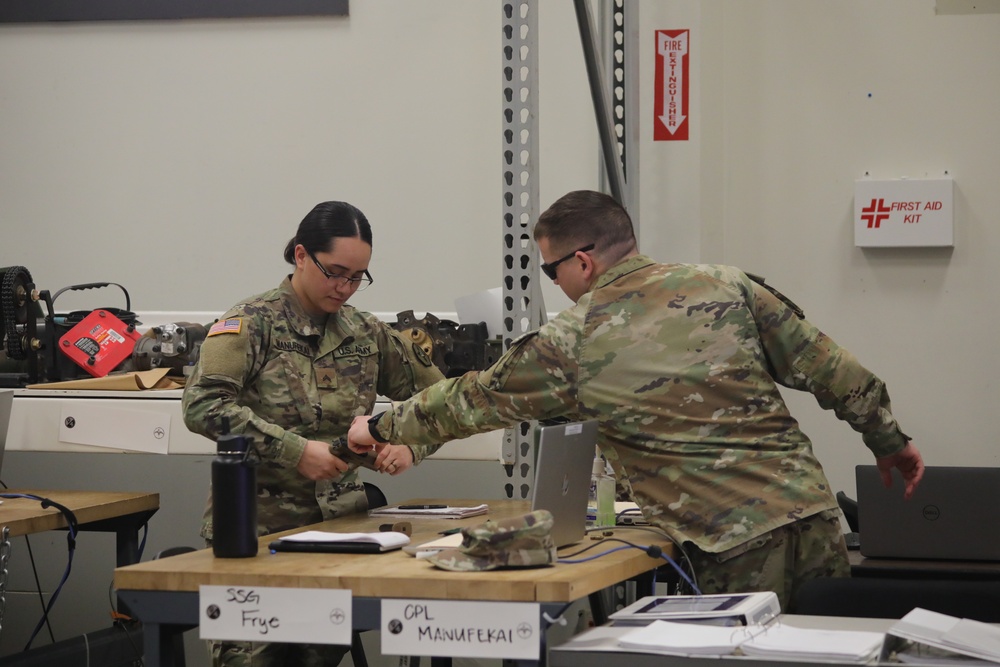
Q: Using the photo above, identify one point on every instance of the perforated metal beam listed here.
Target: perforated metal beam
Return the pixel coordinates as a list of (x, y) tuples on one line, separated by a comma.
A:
[(523, 310)]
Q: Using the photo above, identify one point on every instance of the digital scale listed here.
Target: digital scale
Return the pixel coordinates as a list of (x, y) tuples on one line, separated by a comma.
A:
[(716, 609)]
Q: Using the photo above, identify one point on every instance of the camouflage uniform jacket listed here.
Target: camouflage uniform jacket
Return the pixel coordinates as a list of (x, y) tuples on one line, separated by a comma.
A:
[(680, 364), (283, 378)]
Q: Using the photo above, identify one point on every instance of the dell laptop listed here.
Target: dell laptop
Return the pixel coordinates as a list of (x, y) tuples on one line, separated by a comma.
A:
[(951, 516)]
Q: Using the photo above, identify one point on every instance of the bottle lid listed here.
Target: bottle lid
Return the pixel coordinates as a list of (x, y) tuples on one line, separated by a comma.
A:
[(598, 468), (231, 443)]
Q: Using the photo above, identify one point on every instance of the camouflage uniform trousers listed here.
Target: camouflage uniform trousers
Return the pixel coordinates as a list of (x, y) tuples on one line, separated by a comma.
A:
[(778, 561), (257, 654)]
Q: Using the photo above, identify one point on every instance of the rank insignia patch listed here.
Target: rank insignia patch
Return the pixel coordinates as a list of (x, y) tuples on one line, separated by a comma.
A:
[(421, 355)]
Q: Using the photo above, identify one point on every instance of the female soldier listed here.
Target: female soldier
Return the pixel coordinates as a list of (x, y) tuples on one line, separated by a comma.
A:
[(291, 368)]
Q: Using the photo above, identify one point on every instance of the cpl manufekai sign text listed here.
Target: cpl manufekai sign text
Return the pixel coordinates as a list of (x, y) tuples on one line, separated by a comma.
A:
[(903, 213), (461, 629)]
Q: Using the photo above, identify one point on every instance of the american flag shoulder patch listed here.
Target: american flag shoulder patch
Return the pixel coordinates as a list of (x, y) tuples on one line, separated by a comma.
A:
[(231, 326)]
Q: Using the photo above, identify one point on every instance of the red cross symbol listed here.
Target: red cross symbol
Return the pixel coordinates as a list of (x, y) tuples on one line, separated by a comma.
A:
[(875, 213)]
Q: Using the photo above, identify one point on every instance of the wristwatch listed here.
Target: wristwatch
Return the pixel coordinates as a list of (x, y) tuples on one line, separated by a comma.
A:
[(373, 427)]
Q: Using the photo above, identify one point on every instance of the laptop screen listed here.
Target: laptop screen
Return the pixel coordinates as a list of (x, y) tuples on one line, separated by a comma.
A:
[(565, 457), (951, 516)]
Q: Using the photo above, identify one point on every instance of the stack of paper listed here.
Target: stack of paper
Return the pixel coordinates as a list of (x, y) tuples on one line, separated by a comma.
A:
[(436, 511), (386, 539), (771, 641), (673, 638), (319, 541), (784, 641)]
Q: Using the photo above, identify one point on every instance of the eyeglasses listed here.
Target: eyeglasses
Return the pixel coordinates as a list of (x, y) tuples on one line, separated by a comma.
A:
[(353, 283), (550, 269)]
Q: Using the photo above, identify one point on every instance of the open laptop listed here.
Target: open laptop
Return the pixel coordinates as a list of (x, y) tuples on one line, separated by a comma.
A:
[(6, 405), (563, 464), (951, 516)]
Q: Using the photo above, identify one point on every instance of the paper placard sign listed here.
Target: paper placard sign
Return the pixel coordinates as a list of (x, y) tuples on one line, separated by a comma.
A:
[(447, 628), (263, 614), (103, 424)]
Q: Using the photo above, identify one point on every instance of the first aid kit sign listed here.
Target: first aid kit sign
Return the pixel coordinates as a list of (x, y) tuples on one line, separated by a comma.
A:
[(903, 213)]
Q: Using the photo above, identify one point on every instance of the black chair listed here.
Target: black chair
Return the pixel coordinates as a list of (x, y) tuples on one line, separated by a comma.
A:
[(882, 597), (173, 551)]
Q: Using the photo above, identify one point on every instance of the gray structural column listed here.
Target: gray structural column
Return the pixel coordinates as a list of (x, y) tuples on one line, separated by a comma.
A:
[(620, 39), (612, 71), (523, 309)]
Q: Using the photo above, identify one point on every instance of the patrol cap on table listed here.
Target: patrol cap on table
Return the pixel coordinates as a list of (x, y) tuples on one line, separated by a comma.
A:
[(521, 541)]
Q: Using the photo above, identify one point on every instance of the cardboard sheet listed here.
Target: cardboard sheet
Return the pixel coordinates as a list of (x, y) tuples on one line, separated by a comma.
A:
[(133, 381)]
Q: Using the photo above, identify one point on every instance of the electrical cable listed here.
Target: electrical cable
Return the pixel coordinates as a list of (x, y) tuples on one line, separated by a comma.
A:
[(123, 621), (692, 579), (128, 635), (38, 587), (38, 583), (652, 551), (71, 549)]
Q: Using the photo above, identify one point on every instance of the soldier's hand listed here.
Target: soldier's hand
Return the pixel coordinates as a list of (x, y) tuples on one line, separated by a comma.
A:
[(359, 438), (318, 463), (909, 462), (394, 459)]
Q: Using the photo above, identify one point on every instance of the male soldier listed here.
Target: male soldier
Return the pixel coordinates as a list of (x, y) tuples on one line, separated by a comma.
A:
[(680, 364)]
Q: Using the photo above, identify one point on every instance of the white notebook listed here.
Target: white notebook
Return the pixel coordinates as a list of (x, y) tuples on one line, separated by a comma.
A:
[(769, 641)]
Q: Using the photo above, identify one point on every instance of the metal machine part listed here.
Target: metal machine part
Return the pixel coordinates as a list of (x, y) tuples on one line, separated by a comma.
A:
[(19, 338), (454, 348), (176, 345), (17, 319), (99, 342), (58, 365), (30, 350)]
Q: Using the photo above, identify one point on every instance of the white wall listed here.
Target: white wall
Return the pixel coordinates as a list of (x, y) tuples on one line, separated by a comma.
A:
[(177, 158), (819, 93), (793, 101)]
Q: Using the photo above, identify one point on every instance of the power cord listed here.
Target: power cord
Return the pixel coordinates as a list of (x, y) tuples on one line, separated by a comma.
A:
[(692, 579), (71, 549), (126, 624), (38, 587), (38, 584), (652, 551)]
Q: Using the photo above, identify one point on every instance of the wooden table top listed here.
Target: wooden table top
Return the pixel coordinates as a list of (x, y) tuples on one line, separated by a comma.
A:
[(396, 574), (25, 516)]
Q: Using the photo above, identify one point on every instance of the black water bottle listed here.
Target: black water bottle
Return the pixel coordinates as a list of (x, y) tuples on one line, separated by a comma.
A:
[(234, 498)]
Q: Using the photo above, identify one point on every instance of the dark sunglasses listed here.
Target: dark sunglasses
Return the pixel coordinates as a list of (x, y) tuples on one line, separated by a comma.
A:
[(550, 269)]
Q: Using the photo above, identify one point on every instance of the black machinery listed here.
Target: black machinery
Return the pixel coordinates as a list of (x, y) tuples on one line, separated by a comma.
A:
[(39, 345)]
